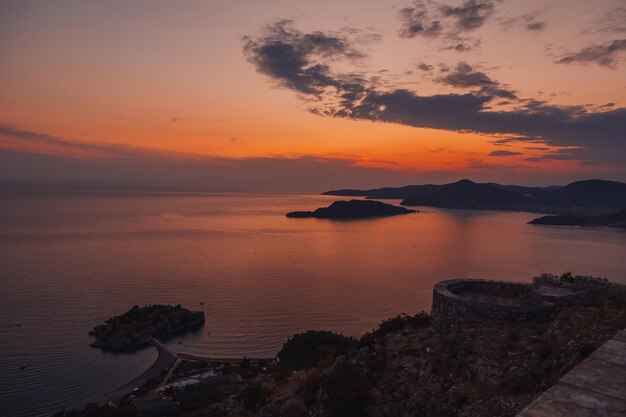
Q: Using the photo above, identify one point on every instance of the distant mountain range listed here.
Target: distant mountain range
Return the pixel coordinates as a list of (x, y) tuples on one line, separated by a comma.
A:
[(589, 196)]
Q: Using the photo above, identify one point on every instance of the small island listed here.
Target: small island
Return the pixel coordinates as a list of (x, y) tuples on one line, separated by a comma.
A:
[(616, 220), (353, 209), (139, 325)]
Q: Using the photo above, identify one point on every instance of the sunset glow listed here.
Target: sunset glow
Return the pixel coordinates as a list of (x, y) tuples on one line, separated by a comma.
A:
[(163, 80)]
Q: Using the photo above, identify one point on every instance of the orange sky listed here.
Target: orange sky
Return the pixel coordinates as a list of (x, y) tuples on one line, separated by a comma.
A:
[(172, 77)]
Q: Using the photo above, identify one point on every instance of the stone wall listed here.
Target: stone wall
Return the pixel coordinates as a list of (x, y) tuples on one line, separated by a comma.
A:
[(595, 387), (460, 301), (587, 290), (496, 288), (452, 308)]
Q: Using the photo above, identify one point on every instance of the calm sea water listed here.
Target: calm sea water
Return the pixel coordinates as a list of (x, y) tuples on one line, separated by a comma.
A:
[(68, 263)]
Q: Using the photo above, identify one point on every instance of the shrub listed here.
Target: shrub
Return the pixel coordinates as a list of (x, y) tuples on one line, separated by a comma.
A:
[(347, 391), (304, 350), (253, 395), (522, 385), (194, 397), (400, 322)]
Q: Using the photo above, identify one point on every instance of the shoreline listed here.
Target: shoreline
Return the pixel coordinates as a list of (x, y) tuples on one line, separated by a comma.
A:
[(165, 359)]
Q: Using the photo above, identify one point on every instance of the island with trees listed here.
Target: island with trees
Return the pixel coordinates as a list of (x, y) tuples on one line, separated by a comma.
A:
[(353, 209), (139, 325), (616, 220)]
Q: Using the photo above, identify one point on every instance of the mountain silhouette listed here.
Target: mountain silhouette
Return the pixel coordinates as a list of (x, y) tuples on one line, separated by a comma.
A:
[(591, 196)]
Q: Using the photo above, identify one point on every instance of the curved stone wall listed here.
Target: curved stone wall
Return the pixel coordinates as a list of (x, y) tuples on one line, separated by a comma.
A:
[(459, 301)]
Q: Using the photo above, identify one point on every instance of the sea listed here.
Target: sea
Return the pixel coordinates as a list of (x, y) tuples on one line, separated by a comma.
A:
[(69, 261)]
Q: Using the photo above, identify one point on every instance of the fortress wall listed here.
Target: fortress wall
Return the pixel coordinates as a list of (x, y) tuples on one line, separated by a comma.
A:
[(590, 290), (451, 310), (460, 301)]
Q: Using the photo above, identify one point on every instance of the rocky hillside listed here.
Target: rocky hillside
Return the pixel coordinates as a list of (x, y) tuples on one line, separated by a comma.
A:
[(401, 369)]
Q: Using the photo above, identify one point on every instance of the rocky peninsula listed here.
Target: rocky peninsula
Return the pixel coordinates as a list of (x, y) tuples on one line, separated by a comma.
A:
[(139, 325), (616, 220), (353, 209)]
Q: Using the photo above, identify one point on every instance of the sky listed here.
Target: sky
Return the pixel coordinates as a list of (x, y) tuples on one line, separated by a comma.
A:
[(249, 95)]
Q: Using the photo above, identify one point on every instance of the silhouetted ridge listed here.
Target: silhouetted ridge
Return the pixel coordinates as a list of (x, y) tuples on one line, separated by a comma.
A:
[(352, 209), (589, 193), (590, 196), (467, 194), (397, 193)]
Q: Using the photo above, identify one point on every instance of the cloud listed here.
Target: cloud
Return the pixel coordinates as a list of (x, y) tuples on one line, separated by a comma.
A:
[(445, 22), (459, 47), (504, 153), (296, 59), (425, 67), (464, 76), (600, 132), (535, 25), (121, 167), (416, 21), (11, 136), (606, 55), (528, 21), (613, 21), (559, 155), (507, 141), (471, 15)]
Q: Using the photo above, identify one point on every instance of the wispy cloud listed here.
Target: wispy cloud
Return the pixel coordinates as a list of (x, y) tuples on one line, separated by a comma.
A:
[(605, 55), (471, 15), (66, 160), (504, 153), (464, 76), (445, 22)]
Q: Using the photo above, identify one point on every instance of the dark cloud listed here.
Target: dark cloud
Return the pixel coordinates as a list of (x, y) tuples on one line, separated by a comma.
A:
[(464, 76), (459, 47), (425, 67), (504, 153), (600, 132), (536, 25), (606, 55), (445, 22), (296, 59), (471, 15), (515, 139), (416, 21), (559, 155)]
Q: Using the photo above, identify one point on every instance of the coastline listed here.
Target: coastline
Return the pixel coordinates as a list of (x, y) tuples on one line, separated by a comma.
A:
[(165, 359)]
